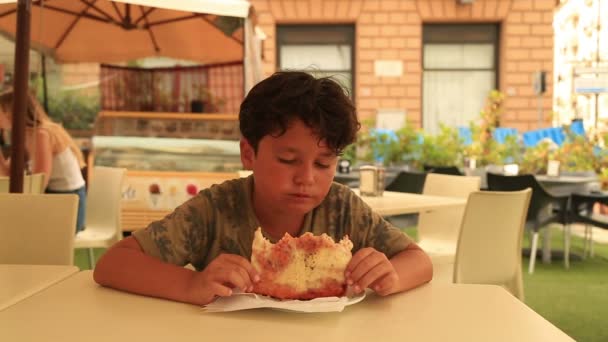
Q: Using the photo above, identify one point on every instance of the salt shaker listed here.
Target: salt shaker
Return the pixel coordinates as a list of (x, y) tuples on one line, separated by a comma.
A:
[(368, 180), (380, 178)]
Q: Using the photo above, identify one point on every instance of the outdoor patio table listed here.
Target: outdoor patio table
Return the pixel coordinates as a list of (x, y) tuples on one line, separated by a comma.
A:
[(398, 203), (566, 185), (77, 309), (18, 282), (352, 178), (562, 185)]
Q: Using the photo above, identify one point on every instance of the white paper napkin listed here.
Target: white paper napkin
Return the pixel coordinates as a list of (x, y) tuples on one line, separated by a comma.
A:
[(244, 301)]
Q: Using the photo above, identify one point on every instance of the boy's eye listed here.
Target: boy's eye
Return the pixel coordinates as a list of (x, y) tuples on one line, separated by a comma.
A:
[(286, 161), (322, 166)]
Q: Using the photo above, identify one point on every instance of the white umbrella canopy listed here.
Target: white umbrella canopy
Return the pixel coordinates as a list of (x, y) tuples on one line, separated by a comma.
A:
[(104, 31)]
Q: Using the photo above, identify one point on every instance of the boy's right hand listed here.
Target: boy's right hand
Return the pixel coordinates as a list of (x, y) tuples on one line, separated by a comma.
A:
[(220, 277)]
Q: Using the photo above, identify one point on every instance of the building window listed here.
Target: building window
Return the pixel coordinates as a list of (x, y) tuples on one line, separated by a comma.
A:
[(459, 71), (322, 50)]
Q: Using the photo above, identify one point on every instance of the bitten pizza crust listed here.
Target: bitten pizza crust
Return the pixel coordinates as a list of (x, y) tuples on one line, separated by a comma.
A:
[(306, 267)]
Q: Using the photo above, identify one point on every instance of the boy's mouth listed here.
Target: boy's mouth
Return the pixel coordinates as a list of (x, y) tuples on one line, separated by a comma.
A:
[(301, 195)]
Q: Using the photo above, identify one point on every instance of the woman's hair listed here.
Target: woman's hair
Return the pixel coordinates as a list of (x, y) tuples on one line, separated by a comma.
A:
[(321, 104), (35, 113), (37, 118)]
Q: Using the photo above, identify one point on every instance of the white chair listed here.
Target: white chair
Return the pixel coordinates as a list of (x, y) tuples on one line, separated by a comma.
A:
[(102, 223), (489, 247), (32, 184), (37, 228), (4, 184), (438, 230)]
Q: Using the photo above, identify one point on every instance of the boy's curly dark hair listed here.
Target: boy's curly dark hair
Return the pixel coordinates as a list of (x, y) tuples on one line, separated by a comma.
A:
[(321, 104)]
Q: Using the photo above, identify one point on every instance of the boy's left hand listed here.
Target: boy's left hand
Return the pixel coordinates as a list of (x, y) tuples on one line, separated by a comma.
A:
[(371, 268)]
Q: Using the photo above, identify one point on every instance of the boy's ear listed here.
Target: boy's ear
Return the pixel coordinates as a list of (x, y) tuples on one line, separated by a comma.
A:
[(247, 154)]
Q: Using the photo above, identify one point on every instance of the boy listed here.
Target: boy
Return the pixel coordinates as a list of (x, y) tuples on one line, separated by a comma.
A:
[(293, 128)]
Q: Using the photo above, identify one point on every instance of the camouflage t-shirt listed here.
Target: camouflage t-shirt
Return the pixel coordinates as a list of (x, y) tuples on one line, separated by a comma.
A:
[(221, 219)]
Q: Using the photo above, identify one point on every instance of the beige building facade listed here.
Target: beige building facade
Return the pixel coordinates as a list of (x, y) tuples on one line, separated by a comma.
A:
[(391, 56)]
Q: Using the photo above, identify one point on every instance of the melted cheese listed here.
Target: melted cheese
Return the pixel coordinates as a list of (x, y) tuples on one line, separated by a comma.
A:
[(286, 265)]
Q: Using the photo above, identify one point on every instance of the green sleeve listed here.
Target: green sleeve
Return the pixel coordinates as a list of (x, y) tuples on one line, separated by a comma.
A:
[(182, 236)]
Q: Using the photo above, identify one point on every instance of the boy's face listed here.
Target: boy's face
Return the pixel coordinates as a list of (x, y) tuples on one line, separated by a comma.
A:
[(293, 172)]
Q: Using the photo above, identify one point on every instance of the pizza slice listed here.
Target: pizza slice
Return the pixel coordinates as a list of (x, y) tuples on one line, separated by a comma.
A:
[(305, 267)]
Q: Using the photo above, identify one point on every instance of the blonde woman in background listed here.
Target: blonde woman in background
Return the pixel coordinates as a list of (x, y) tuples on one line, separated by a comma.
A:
[(51, 149)]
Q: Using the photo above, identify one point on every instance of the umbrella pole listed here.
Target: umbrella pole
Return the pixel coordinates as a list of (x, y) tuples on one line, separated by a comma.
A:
[(20, 89)]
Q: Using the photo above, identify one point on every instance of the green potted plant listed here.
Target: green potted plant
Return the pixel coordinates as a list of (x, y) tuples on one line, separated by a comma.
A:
[(361, 151), (484, 148), (391, 149), (398, 148), (406, 149), (535, 159), (443, 149), (204, 101), (577, 154), (201, 96)]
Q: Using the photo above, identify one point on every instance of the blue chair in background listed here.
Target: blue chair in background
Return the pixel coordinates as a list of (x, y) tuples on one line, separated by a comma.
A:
[(577, 127), (557, 134), (382, 135), (377, 132), (501, 133), (532, 138), (466, 135)]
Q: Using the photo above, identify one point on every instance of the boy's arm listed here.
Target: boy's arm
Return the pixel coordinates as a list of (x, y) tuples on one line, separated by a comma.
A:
[(126, 267), (413, 267), (388, 261), (405, 270)]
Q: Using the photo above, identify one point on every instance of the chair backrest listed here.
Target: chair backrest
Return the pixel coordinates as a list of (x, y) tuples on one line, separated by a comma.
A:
[(449, 185), (489, 246), (500, 134), (32, 184), (4, 184), (532, 138), (445, 170), (408, 181), (104, 199), (444, 224), (577, 127), (37, 228), (466, 135), (540, 197)]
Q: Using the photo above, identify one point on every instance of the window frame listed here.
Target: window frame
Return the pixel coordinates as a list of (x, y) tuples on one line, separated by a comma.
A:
[(458, 34), (491, 30), (346, 30)]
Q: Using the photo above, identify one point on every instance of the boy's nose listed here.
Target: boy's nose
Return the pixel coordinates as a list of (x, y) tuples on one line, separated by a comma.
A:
[(304, 175)]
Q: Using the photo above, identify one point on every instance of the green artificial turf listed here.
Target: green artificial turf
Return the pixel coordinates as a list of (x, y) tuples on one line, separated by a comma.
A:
[(576, 299)]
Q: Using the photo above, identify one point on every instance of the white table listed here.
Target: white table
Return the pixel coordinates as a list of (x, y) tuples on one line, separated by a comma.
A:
[(77, 309), (566, 185), (398, 203), (566, 179), (21, 281), (562, 185)]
